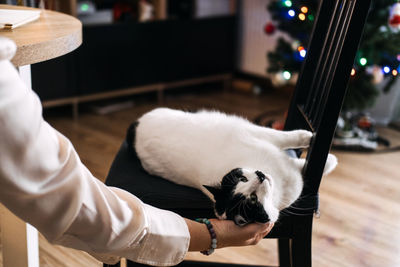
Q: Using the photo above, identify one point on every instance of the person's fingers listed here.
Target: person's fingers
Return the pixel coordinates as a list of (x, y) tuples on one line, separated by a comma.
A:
[(229, 234), (255, 228), (264, 234), (270, 226), (255, 239), (265, 229), (256, 232)]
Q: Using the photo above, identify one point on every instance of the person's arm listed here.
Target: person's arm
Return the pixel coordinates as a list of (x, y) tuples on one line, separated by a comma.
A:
[(43, 181)]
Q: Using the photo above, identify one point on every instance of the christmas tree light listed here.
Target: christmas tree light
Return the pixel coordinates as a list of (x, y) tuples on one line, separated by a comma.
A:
[(363, 61), (386, 69), (84, 7), (292, 13), (286, 75), (382, 30), (288, 3)]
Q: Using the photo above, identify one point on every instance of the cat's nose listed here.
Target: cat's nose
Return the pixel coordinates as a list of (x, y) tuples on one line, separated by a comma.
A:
[(260, 176)]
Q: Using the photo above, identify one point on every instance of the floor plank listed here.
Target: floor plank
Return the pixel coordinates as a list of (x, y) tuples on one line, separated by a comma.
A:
[(360, 200)]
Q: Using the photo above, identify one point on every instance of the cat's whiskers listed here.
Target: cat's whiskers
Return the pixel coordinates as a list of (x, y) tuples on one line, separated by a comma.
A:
[(230, 178), (304, 197), (288, 213), (244, 209), (236, 205), (247, 206), (298, 208)]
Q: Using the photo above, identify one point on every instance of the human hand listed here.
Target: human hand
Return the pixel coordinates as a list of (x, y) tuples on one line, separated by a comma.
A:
[(229, 234)]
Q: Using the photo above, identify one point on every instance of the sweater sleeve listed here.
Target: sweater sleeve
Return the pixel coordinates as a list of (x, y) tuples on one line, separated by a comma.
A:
[(43, 181)]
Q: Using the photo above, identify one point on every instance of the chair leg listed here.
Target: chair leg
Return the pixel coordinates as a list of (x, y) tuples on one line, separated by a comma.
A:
[(301, 252), (284, 252), (112, 265), (301, 244)]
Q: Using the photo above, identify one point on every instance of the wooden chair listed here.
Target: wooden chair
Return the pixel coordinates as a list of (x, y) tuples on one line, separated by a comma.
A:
[(315, 106)]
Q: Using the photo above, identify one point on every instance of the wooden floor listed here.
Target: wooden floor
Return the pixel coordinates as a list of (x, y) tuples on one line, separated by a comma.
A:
[(360, 200)]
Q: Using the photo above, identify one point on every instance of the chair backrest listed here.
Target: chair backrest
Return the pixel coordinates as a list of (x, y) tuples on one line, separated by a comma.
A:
[(322, 85)]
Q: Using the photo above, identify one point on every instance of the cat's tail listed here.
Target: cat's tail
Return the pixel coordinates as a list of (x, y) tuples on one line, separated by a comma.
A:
[(131, 136)]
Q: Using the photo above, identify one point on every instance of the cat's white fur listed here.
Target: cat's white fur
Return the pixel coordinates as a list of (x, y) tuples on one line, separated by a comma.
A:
[(196, 149)]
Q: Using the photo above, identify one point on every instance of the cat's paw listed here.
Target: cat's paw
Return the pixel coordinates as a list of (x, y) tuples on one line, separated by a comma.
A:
[(304, 137), (331, 163)]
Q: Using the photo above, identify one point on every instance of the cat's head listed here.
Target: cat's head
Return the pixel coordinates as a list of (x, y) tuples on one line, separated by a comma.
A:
[(245, 196)]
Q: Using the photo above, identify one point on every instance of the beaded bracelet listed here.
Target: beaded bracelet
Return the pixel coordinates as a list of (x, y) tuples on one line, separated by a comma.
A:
[(213, 236)]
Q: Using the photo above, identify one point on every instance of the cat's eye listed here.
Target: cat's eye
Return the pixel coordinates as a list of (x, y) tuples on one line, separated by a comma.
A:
[(243, 179), (253, 198)]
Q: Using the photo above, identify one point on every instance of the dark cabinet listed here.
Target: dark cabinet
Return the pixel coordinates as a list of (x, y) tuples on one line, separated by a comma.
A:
[(118, 56)]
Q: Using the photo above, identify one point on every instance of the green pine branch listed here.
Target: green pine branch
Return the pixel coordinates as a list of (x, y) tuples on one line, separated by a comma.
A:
[(380, 46)]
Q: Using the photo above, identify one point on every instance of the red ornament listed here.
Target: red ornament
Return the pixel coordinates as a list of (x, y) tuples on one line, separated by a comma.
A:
[(394, 19), (269, 28), (365, 122), (278, 125)]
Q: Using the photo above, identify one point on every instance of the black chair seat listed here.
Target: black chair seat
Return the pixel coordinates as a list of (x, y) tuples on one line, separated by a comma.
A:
[(127, 173)]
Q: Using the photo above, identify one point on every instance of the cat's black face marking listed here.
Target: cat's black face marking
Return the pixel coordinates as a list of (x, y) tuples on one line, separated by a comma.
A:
[(236, 206)]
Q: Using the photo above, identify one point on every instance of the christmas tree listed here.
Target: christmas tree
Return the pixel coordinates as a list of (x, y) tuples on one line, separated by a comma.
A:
[(378, 55)]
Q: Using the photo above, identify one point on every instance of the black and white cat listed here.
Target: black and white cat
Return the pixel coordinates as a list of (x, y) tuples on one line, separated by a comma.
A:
[(242, 167)]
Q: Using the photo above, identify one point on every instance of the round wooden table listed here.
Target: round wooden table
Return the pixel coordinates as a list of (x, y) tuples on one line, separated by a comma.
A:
[(52, 35)]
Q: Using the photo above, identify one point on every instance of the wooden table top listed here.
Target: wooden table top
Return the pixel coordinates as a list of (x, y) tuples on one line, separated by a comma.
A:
[(54, 34)]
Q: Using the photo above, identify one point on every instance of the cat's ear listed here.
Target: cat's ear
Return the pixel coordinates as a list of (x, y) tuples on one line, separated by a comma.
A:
[(216, 191)]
